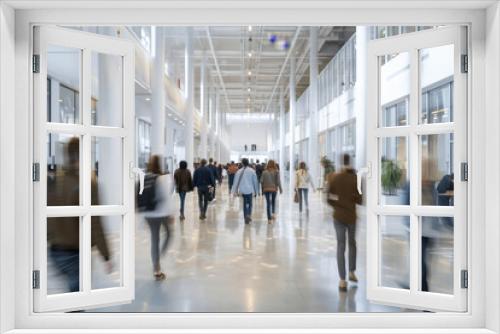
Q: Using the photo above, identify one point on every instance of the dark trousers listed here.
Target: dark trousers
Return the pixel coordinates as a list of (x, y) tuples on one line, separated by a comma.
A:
[(182, 196), (203, 200), (68, 263), (270, 203), (341, 229), (154, 226), (303, 196), (247, 205), (231, 181)]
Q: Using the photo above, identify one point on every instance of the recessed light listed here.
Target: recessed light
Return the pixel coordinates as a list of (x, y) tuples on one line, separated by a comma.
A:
[(249, 28), (249, 89), (148, 99), (250, 54), (249, 72)]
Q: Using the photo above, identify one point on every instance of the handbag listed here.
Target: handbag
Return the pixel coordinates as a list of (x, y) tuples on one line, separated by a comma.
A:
[(296, 196)]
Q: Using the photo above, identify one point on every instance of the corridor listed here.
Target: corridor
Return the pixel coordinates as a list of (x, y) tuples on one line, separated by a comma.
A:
[(223, 265)]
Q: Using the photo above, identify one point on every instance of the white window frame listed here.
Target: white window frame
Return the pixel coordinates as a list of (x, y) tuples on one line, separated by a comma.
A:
[(484, 44)]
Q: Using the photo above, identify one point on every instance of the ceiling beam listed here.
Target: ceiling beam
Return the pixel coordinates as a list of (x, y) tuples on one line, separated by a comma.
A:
[(216, 63)]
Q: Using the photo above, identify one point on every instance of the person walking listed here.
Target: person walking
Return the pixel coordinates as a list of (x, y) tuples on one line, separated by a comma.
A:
[(158, 189), (212, 165), (232, 169), (246, 185), (204, 181), (183, 184), (343, 196), (302, 182), (270, 182)]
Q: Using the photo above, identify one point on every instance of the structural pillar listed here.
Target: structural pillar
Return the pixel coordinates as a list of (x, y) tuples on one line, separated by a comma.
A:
[(313, 157), (189, 83), (212, 124), (158, 95), (362, 39), (203, 109), (217, 127), (292, 112), (281, 160)]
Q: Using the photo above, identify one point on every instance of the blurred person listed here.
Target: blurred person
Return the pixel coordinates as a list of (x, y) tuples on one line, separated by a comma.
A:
[(220, 173), (343, 196), (270, 182), (63, 233), (212, 165), (246, 185), (183, 184), (231, 172), (158, 189), (204, 180), (302, 181)]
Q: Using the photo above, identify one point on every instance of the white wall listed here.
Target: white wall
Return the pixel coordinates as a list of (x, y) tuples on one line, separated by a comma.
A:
[(248, 133)]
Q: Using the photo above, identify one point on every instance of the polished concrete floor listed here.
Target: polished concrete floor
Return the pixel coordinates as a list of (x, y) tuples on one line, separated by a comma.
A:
[(223, 265)]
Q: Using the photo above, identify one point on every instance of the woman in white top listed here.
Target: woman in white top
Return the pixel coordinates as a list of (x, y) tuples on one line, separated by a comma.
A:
[(302, 182), (161, 214)]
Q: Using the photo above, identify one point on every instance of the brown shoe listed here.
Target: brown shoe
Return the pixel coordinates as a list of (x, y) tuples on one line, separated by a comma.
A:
[(352, 277), (343, 285)]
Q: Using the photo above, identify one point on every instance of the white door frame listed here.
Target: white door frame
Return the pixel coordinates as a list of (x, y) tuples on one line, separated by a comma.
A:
[(318, 13)]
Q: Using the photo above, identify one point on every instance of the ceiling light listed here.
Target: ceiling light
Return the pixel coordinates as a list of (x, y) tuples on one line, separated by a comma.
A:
[(250, 54), (249, 89), (248, 99), (249, 72), (148, 99), (249, 28)]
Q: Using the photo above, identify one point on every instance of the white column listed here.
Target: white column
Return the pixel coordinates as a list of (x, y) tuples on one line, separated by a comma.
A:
[(292, 111), (362, 38), (189, 86), (158, 95), (217, 126), (314, 160), (282, 161), (212, 124), (203, 109)]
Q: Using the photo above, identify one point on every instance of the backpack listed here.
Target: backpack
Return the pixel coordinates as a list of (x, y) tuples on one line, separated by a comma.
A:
[(147, 201)]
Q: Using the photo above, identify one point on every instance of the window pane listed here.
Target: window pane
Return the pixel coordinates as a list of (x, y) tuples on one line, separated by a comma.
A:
[(107, 171), (436, 67), (437, 169), (63, 70), (437, 254), (63, 255), (63, 169), (395, 251), (394, 89), (394, 174), (107, 90), (107, 252)]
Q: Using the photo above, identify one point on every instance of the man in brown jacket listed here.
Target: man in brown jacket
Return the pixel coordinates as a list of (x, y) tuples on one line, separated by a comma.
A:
[(343, 196), (63, 233)]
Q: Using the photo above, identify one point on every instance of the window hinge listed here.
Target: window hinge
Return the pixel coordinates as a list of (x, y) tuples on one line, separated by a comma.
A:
[(465, 63), (36, 63), (464, 170), (464, 279), (36, 172), (36, 279)]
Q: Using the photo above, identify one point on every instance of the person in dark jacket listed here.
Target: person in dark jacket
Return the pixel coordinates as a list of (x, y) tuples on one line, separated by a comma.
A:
[(212, 165), (203, 179), (343, 196), (183, 184), (63, 233)]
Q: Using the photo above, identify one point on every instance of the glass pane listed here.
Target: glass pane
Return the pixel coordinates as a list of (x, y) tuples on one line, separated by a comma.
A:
[(63, 255), (107, 90), (436, 82), (107, 171), (394, 173), (437, 254), (63, 169), (63, 84), (395, 251), (437, 169), (106, 252), (394, 89)]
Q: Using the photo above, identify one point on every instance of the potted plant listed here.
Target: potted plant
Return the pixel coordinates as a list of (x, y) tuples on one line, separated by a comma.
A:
[(391, 177)]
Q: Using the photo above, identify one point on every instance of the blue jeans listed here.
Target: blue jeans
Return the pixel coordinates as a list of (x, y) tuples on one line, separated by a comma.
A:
[(230, 178), (247, 205), (68, 263), (182, 196), (303, 197), (270, 203), (203, 200)]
